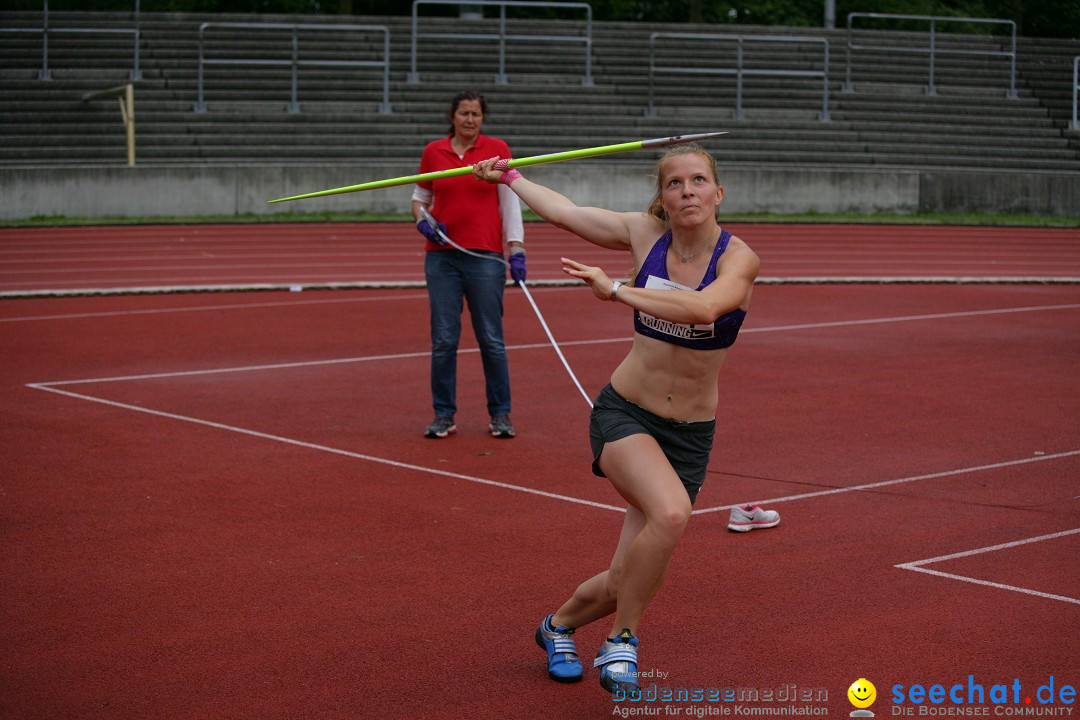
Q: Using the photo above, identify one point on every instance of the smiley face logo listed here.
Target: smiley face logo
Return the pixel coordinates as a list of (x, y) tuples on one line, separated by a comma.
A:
[(862, 693)]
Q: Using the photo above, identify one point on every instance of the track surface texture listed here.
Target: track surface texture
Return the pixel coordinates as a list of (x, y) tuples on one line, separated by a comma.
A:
[(220, 504)]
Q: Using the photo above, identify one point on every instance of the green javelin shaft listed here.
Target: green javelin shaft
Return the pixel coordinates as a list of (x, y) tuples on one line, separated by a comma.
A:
[(515, 163)]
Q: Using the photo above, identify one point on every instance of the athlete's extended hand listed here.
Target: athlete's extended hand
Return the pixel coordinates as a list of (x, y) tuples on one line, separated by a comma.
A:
[(594, 276), (485, 170)]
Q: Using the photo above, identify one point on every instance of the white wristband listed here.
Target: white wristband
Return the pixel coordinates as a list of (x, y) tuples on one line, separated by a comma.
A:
[(614, 289)]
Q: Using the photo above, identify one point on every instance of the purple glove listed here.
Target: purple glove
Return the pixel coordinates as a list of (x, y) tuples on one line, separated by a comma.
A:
[(430, 233), (517, 267)]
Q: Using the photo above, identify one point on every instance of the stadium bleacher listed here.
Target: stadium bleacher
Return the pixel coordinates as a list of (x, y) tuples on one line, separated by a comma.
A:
[(888, 123)]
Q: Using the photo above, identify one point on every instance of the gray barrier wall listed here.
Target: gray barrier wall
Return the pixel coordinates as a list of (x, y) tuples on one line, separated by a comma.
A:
[(149, 192)]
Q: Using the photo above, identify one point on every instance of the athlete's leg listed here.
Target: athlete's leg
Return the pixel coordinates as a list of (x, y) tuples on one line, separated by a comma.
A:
[(658, 511), (640, 471), (595, 598)]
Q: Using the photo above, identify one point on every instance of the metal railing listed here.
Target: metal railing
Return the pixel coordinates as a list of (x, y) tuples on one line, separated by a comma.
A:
[(294, 62), (739, 71), (502, 36), (45, 73), (1075, 88), (932, 50)]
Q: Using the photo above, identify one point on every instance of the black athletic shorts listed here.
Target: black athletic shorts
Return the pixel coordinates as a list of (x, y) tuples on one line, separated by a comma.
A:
[(687, 445)]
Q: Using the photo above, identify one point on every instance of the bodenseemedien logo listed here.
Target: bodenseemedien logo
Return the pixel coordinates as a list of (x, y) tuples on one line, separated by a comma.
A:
[(862, 695)]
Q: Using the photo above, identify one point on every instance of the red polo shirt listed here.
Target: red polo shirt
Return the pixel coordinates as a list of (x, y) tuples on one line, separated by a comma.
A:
[(468, 207)]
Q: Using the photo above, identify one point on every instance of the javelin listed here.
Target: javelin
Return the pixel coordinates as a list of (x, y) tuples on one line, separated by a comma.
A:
[(514, 163)]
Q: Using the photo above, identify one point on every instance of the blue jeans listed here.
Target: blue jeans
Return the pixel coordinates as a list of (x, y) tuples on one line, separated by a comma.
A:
[(453, 276)]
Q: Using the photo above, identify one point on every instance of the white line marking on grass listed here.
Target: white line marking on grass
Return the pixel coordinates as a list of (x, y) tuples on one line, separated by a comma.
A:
[(917, 566), (325, 448)]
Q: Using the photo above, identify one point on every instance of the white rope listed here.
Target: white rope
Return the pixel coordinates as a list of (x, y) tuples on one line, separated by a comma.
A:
[(498, 258)]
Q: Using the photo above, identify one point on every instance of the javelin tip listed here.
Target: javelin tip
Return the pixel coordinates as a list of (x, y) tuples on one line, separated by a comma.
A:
[(679, 139)]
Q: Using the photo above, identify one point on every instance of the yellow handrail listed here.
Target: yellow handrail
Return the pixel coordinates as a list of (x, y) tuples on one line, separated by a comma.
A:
[(126, 95)]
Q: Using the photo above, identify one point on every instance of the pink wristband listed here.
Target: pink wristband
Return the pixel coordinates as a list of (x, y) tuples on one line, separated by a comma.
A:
[(509, 177)]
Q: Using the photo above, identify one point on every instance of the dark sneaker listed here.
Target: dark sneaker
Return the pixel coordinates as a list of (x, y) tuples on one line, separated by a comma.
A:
[(563, 663), (501, 426), (440, 427)]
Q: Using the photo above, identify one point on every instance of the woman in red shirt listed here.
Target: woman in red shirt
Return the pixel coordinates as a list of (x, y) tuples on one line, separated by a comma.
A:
[(482, 219)]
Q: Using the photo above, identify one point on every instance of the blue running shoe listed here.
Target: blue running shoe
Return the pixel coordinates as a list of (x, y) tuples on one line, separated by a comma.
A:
[(563, 663), (617, 661)]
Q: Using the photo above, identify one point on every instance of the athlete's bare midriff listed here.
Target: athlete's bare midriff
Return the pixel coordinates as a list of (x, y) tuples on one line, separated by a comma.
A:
[(670, 381)]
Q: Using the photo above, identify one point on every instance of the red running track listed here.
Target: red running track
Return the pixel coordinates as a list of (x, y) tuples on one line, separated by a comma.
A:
[(220, 505), (34, 260)]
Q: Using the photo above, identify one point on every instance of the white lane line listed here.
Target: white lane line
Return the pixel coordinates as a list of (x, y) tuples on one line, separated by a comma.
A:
[(910, 318), (51, 387), (898, 481), (284, 366), (529, 346), (327, 449), (560, 287), (206, 308), (917, 566)]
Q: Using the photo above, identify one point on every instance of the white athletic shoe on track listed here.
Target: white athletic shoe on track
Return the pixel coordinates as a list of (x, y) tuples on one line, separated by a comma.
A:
[(752, 517)]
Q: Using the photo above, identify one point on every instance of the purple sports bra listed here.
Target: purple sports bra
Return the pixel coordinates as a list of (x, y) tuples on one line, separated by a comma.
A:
[(721, 333)]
